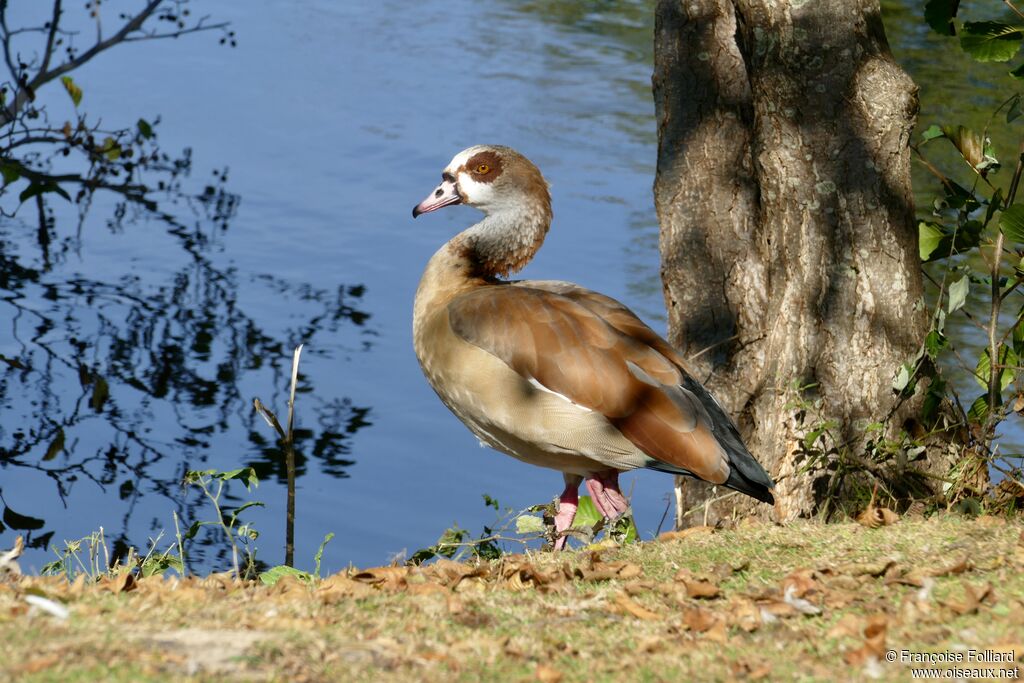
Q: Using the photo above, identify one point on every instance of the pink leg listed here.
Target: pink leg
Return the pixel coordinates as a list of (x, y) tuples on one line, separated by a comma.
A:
[(567, 504), (604, 491)]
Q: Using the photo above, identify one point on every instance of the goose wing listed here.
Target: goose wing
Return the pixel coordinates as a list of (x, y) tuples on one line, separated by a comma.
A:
[(598, 354)]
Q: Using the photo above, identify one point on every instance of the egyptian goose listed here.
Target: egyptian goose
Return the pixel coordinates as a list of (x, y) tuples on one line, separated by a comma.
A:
[(549, 372)]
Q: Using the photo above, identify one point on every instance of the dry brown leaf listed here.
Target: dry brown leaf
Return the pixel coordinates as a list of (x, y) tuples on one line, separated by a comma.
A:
[(518, 574), (973, 597), (450, 573), (801, 583), (685, 533), (645, 587), (697, 586), (751, 671), (8, 557), (385, 578), (122, 583), (874, 516), (652, 645), (38, 664), (605, 571), (838, 599), (874, 641), (630, 606), (289, 583), (776, 609), (455, 605), (850, 626), (699, 620), (338, 587), (77, 586), (718, 633), (991, 520), (424, 588), (957, 567), (873, 568), (548, 674), (745, 615)]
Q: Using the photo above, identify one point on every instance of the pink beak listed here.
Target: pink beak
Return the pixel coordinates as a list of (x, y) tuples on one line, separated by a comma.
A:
[(445, 194)]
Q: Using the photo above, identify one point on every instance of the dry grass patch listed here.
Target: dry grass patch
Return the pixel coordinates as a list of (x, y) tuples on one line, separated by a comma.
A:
[(759, 602)]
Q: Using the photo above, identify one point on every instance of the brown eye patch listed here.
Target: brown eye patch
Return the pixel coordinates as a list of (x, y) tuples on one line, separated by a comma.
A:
[(484, 166)]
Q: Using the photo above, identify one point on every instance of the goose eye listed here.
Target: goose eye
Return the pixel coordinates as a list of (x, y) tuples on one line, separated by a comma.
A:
[(482, 169)]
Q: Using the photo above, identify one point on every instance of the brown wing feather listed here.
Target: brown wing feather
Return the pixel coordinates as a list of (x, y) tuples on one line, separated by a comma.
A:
[(615, 369), (612, 312)]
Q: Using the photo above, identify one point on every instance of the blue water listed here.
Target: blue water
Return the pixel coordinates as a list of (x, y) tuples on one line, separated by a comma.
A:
[(331, 120)]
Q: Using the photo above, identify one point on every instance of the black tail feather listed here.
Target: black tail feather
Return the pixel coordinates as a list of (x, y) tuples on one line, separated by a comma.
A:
[(755, 489), (745, 472)]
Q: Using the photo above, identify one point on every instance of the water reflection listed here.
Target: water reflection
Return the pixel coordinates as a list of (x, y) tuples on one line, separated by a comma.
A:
[(122, 380)]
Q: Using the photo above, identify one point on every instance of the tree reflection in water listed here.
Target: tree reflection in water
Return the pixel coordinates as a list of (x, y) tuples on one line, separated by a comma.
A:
[(125, 383), (114, 384)]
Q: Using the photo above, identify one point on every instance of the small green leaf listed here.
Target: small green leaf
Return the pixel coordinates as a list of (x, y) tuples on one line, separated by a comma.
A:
[(939, 14), (902, 378), (246, 473), (275, 574), (158, 564), (931, 133), (145, 129), (933, 400), (587, 515), (934, 342), (56, 446), (1018, 337), (529, 524), (624, 530), (958, 293), (73, 90), (490, 502), (990, 41), (1007, 357), (979, 409), (245, 506), (1011, 222), (320, 552), (929, 238)]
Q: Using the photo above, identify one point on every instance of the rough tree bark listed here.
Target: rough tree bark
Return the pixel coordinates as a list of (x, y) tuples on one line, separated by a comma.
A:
[(788, 239)]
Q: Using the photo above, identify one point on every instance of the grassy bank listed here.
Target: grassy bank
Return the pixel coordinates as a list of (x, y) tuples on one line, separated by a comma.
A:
[(760, 602)]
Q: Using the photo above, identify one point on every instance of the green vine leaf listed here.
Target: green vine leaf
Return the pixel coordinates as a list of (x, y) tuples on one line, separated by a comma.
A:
[(939, 14), (931, 133), (929, 238), (1011, 222), (990, 41), (74, 92), (958, 293), (1007, 357)]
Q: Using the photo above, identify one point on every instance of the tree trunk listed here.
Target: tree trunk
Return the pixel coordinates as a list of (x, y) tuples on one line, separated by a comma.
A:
[(789, 246)]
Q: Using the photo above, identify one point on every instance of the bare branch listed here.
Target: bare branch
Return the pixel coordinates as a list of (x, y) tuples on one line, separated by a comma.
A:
[(51, 37), (6, 37), (124, 34)]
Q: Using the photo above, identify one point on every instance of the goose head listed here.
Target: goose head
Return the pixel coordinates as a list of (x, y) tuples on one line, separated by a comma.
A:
[(492, 178)]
